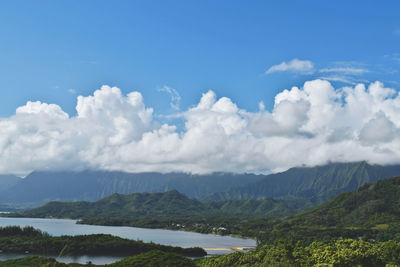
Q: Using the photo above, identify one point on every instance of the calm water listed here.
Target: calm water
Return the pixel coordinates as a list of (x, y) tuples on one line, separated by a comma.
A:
[(59, 227)]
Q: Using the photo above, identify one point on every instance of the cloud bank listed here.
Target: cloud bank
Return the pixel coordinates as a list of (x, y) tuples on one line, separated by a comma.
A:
[(311, 125)]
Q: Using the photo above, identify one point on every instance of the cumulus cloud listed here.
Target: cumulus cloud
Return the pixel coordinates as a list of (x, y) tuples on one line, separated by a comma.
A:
[(308, 125), (294, 65)]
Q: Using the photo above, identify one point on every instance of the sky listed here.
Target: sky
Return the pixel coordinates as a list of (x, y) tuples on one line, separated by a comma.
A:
[(197, 86)]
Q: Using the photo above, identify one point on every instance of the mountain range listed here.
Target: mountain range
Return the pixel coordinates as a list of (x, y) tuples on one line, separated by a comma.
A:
[(317, 184), (41, 187), (300, 188)]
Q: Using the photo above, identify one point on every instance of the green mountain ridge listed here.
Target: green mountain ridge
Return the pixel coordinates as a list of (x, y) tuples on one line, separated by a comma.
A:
[(316, 184)]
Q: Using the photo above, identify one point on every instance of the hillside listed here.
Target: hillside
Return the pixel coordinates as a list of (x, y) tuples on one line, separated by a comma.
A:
[(372, 213), (317, 184), (41, 187), (253, 207), (370, 205), (169, 204)]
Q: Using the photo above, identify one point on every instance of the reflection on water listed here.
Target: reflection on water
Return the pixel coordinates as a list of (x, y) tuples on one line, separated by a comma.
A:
[(68, 259), (213, 244)]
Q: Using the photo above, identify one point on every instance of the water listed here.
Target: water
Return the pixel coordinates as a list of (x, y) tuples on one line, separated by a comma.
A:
[(213, 244)]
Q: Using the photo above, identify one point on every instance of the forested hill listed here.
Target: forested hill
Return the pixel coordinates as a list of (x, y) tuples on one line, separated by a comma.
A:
[(41, 187), (371, 213), (156, 205), (318, 184), (369, 206)]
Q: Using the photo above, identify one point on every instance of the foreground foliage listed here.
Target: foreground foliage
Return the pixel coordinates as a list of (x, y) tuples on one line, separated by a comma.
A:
[(155, 258), (342, 252)]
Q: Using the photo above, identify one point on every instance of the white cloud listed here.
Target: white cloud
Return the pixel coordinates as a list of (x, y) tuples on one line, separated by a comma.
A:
[(344, 70), (295, 65), (311, 125), (174, 95), (338, 78), (378, 129), (72, 91)]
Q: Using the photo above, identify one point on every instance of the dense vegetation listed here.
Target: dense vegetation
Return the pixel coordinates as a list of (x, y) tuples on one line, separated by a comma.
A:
[(371, 212), (14, 239), (341, 252), (153, 259)]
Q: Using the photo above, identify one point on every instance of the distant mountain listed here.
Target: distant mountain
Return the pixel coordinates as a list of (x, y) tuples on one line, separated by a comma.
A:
[(317, 184), (301, 188), (156, 205), (7, 181), (41, 187)]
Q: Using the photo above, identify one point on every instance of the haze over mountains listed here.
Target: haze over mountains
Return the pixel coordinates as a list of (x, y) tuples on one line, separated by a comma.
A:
[(306, 185), (7, 181), (41, 187)]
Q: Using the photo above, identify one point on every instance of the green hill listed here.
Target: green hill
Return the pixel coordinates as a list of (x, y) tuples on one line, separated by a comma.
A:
[(156, 205), (167, 204), (372, 213), (370, 205)]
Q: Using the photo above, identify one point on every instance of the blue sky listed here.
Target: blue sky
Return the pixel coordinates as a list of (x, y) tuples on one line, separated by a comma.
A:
[(53, 51), (197, 86)]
